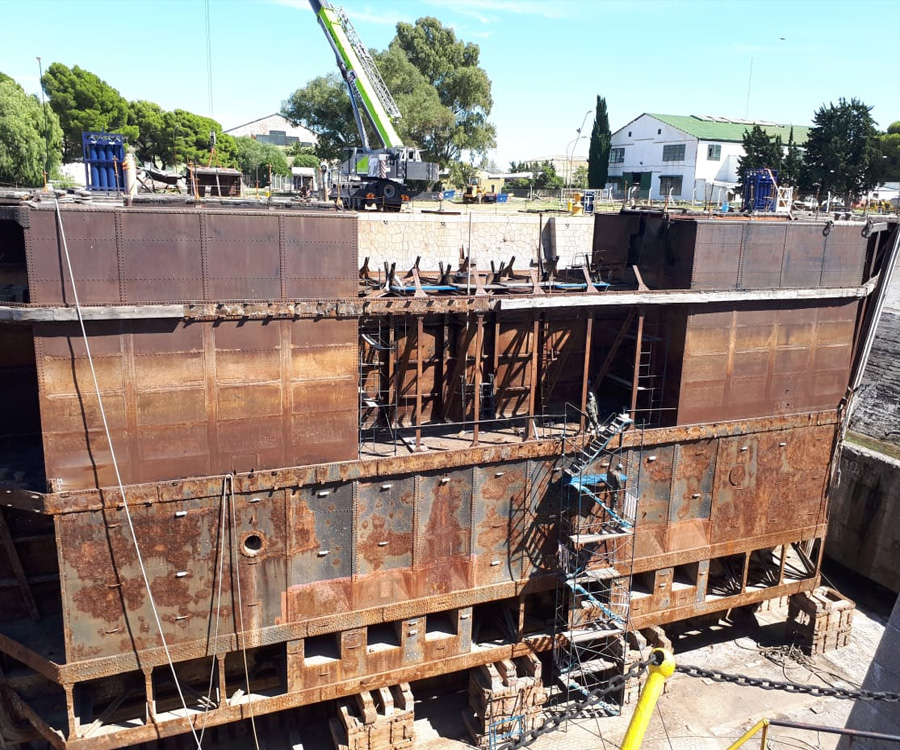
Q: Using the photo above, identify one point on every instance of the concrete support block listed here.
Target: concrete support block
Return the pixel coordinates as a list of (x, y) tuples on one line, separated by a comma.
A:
[(381, 719), (821, 620)]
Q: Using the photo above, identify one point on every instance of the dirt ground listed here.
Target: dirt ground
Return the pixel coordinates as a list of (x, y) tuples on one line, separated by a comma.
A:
[(698, 714)]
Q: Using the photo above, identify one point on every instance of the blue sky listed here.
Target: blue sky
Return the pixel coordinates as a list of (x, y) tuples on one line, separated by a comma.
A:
[(548, 60)]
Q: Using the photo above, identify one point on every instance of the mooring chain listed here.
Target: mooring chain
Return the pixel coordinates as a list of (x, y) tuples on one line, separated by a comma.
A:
[(790, 687), (527, 737)]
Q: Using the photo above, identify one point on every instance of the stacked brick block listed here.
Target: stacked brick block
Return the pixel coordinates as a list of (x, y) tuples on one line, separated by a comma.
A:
[(821, 619), (506, 698), (380, 719)]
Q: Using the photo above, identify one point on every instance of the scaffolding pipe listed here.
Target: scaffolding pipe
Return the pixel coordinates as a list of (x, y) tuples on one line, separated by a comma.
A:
[(586, 377), (479, 346), (420, 332), (637, 363)]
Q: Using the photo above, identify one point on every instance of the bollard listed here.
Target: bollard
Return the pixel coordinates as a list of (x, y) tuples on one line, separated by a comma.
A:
[(662, 665)]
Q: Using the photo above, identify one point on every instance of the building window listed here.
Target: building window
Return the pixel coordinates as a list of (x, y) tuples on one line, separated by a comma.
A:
[(714, 152), (617, 156), (674, 152), (629, 134), (659, 131), (670, 182)]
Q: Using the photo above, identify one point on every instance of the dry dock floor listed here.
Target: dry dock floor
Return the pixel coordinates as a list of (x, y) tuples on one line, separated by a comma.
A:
[(696, 714)]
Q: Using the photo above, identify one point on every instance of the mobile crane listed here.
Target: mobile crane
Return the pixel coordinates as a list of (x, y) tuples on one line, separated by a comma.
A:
[(377, 175)]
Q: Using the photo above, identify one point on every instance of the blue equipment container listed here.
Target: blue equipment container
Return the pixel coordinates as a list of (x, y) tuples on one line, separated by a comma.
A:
[(760, 190), (103, 157)]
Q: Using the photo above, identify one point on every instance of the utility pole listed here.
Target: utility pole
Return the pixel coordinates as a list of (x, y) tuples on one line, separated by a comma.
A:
[(46, 125)]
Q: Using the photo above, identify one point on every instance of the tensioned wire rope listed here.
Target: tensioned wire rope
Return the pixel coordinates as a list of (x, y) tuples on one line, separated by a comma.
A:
[(115, 463)]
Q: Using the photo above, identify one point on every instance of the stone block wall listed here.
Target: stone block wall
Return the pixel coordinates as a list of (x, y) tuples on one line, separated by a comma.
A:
[(400, 238)]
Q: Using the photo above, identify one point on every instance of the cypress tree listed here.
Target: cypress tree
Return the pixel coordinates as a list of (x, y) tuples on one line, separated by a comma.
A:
[(598, 154)]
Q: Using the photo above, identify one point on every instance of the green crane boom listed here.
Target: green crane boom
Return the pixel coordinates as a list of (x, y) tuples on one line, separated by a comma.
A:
[(367, 88)]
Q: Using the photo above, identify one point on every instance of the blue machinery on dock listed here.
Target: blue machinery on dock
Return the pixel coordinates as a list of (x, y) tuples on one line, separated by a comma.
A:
[(103, 157)]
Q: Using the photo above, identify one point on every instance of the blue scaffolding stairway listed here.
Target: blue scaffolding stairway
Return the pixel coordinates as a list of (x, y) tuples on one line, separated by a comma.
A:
[(597, 519)]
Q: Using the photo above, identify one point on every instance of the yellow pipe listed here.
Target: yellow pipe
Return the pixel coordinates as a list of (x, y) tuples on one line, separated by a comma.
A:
[(762, 724), (662, 665)]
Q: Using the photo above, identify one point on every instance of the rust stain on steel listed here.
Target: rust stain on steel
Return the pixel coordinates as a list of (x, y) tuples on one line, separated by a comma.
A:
[(499, 522), (384, 542), (748, 362), (195, 399), (319, 550), (654, 475), (72, 501), (444, 509), (691, 500)]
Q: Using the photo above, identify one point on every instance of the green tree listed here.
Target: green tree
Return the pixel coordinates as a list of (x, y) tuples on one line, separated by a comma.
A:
[(460, 174), (443, 95), (598, 152), (255, 158), (889, 148), (580, 177), (305, 160), (425, 119), (791, 163), (323, 106), (452, 67), (299, 149), (761, 151), (23, 136), (84, 102), (152, 140), (842, 154), (192, 138)]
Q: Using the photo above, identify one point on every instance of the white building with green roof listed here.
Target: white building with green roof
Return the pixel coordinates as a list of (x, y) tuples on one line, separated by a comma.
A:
[(685, 156)]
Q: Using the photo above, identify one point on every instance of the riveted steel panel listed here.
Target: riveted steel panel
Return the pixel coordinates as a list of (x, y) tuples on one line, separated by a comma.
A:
[(792, 470), (538, 547), (320, 256), (737, 511), (717, 256), (762, 254), (804, 252), (320, 550), (124, 255), (91, 240), (258, 541), (499, 518), (384, 541), (243, 258), (443, 529), (104, 596), (691, 500), (162, 259), (844, 257), (654, 476)]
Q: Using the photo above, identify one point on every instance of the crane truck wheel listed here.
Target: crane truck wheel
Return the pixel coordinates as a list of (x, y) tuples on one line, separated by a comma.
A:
[(390, 191)]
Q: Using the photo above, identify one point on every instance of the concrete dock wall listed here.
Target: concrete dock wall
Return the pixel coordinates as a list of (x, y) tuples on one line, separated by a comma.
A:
[(864, 528)]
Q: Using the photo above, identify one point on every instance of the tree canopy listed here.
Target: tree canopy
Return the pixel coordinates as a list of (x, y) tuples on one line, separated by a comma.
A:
[(761, 151), (84, 102), (842, 154), (255, 158), (451, 66), (23, 136), (443, 95), (598, 151), (545, 175)]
